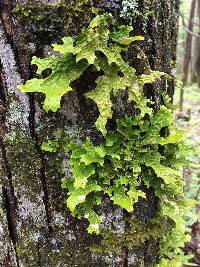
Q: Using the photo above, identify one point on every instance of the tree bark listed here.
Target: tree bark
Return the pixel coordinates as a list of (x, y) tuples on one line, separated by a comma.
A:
[(36, 227)]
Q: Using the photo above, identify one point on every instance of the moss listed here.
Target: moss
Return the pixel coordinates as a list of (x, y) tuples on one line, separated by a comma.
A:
[(135, 235), (24, 162), (48, 22)]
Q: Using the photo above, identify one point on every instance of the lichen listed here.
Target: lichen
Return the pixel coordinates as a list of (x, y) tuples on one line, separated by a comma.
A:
[(133, 154), (129, 10), (132, 12)]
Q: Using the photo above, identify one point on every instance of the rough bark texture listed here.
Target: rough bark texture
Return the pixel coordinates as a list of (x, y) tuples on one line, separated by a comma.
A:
[(36, 228)]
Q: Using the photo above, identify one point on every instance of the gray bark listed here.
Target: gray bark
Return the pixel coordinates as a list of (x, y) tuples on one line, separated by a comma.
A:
[(36, 227)]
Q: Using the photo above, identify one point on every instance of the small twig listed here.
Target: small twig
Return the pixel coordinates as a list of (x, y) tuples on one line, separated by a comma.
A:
[(188, 19), (188, 30)]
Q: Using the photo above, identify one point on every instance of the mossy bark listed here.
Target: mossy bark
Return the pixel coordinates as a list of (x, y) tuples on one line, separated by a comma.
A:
[(36, 227)]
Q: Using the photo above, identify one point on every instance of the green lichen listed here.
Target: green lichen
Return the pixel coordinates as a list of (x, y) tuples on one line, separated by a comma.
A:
[(138, 151), (119, 166), (100, 47)]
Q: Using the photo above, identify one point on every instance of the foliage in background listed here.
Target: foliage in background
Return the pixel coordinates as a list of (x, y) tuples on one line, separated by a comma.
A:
[(189, 120)]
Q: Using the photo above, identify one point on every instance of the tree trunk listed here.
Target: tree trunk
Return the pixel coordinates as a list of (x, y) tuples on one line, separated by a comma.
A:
[(187, 52), (36, 227), (194, 46), (197, 48)]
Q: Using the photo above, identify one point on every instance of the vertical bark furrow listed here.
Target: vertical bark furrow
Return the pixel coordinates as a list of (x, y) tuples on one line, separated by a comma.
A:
[(43, 175), (9, 201), (124, 258), (10, 221), (8, 192)]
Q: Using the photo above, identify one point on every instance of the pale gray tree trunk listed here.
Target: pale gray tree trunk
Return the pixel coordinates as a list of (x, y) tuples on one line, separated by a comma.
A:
[(187, 52), (197, 49)]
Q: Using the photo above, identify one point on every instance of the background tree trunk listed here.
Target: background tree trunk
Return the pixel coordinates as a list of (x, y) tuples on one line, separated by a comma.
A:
[(36, 227), (187, 52), (194, 46), (197, 47), (194, 52)]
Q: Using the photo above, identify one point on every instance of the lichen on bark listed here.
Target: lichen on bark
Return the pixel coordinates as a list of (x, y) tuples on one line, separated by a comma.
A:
[(44, 233)]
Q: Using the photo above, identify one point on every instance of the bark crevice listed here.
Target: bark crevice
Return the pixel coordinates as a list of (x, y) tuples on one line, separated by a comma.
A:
[(9, 202), (43, 176)]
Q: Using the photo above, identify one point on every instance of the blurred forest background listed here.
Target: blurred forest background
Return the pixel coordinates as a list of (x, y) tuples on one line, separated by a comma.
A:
[(187, 99)]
